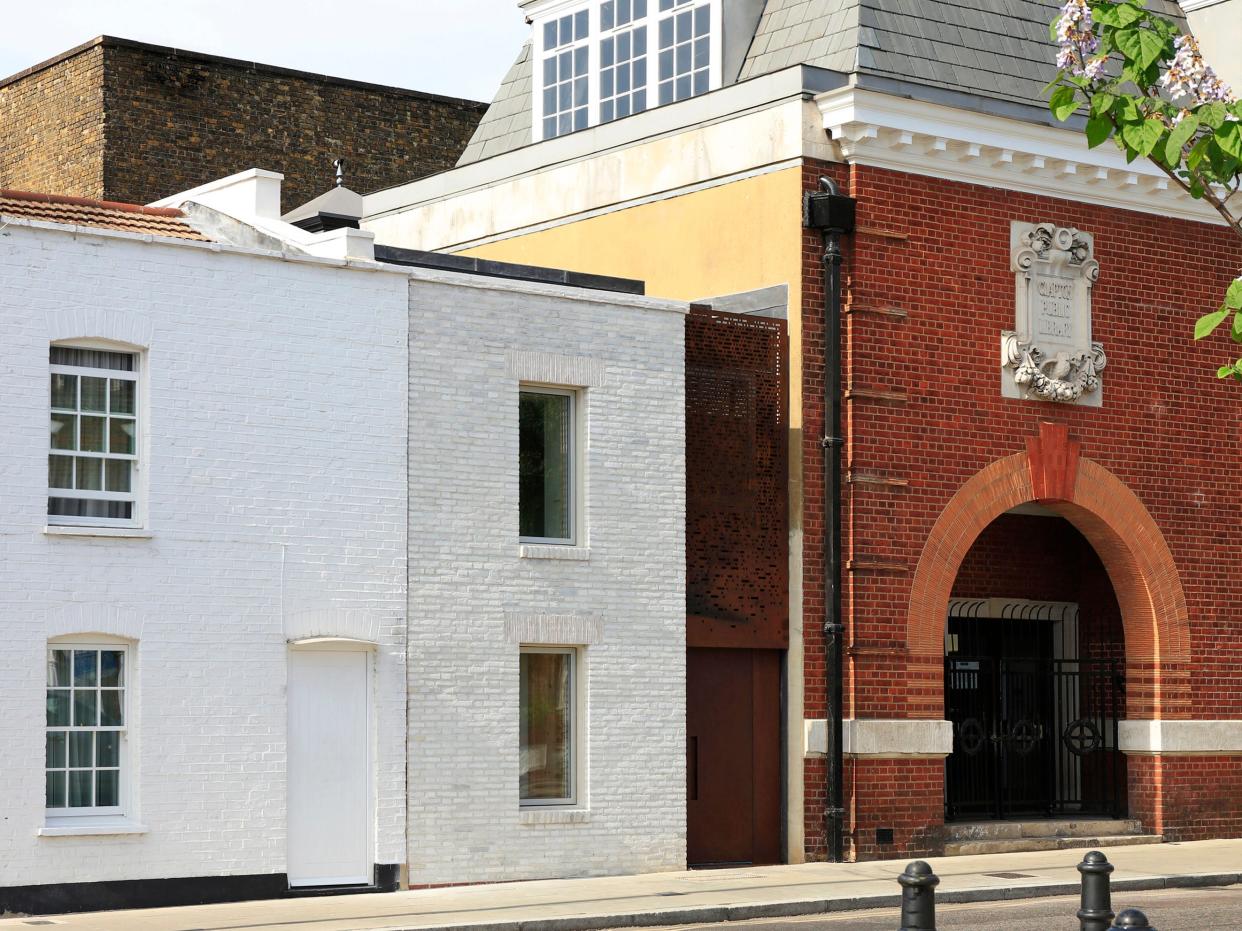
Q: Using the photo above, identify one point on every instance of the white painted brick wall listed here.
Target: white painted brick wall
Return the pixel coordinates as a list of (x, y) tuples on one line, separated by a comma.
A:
[(467, 579), (277, 499)]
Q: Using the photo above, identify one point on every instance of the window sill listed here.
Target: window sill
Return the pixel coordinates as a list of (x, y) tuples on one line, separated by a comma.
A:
[(554, 816), (554, 551), (132, 533), (80, 827)]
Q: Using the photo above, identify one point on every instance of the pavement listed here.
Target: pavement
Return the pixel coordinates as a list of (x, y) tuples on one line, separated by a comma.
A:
[(699, 896)]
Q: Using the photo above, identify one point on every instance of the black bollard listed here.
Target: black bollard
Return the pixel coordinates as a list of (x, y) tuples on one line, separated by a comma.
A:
[(918, 897), (1130, 919), (1096, 913)]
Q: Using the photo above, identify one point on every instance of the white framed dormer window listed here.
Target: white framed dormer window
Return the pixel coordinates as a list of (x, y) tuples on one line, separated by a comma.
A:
[(603, 60), (548, 468), (87, 717), (93, 449), (548, 715)]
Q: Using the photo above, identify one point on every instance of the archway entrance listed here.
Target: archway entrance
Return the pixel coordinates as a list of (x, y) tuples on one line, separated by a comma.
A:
[(1054, 473), (1034, 676)]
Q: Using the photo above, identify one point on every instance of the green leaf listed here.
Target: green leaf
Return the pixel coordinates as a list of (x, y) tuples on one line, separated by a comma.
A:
[(1229, 138), (1233, 297), (1235, 333), (1180, 135), (1063, 103), (1102, 103), (1212, 114), (1224, 371), (1143, 137), (1207, 324), (1141, 46), (1099, 128), (1127, 15)]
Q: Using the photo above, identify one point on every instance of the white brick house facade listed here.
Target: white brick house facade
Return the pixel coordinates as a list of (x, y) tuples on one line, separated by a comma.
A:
[(274, 439), (477, 595), (282, 492)]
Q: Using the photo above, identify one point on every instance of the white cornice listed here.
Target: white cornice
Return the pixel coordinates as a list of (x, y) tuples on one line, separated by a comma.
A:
[(898, 133), (1189, 6)]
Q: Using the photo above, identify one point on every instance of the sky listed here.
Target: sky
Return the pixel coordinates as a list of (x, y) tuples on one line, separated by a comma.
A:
[(461, 48)]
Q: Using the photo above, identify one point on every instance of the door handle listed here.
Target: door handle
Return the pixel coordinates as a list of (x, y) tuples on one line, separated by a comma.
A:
[(692, 768)]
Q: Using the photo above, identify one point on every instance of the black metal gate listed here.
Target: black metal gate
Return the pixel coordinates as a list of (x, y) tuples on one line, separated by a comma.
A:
[(1033, 738)]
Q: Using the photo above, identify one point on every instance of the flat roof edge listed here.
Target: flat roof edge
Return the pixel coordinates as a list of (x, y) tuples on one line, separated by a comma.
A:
[(489, 268)]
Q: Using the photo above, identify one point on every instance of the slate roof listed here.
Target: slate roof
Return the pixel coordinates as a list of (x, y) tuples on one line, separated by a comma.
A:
[(996, 49), (100, 214), (507, 123)]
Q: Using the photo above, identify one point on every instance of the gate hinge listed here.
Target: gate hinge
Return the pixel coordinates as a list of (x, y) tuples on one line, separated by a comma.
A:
[(827, 441), (835, 813), (833, 628)]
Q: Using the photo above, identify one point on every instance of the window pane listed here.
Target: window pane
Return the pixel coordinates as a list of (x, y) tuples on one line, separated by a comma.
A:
[(117, 472), (58, 707), (80, 784), (121, 436), (59, 472), (58, 668), (581, 25), (89, 474), (56, 750), (81, 749), (544, 466), (94, 393), (107, 787), (549, 34), (64, 391), (62, 429), (545, 709), (108, 749), (112, 668), (56, 790), (110, 708), (605, 15), (92, 439), (121, 398), (85, 708), (85, 668)]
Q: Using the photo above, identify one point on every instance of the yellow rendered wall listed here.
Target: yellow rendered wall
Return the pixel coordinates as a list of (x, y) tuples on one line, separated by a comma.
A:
[(737, 237)]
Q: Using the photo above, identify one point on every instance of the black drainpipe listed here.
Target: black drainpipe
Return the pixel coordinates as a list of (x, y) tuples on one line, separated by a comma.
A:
[(832, 213)]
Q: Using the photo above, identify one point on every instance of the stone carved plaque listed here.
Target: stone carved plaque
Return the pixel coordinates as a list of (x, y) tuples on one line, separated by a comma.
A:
[(1049, 355)]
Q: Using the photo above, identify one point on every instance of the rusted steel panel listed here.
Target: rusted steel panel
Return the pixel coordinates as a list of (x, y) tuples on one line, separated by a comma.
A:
[(737, 508)]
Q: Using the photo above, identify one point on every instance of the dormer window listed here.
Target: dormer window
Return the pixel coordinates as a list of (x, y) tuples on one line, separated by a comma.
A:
[(607, 59)]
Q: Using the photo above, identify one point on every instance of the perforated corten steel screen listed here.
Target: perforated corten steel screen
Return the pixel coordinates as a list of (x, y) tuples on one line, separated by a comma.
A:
[(737, 526)]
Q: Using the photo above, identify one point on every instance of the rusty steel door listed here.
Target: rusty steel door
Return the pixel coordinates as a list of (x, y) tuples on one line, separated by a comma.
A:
[(733, 754)]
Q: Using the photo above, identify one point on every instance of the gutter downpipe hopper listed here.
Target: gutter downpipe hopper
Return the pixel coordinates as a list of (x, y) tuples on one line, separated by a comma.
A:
[(832, 213)]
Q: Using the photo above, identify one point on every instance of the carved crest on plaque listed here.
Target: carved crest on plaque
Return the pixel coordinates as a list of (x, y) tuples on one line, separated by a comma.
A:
[(1049, 355)]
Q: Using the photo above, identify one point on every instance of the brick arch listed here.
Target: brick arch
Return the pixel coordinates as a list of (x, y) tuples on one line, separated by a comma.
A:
[(1116, 524)]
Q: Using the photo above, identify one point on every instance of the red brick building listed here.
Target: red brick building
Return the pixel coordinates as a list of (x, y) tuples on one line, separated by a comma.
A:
[(1039, 474)]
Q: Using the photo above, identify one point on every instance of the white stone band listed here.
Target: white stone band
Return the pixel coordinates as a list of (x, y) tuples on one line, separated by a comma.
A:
[(1181, 737), (878, 738)]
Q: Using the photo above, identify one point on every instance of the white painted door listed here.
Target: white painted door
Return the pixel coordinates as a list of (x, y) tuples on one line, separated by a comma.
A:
[(329, 768)]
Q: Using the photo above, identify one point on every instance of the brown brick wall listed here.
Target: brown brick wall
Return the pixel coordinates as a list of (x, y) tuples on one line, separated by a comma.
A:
[(52, 128), (133, 122)]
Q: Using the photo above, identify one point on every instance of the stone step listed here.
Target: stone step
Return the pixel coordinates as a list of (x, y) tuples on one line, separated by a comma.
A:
[(968, 848), (1046, 827)]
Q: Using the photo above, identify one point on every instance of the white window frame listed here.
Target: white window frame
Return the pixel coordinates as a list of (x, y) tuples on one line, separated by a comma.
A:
[(539, 14), (574, 478), (576, 715), (53, 816), (135, 495)]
